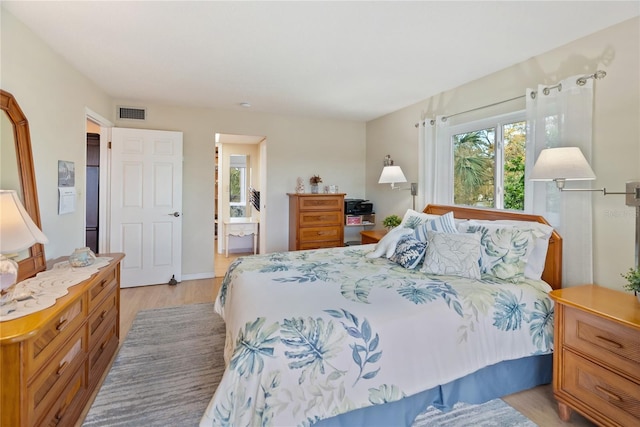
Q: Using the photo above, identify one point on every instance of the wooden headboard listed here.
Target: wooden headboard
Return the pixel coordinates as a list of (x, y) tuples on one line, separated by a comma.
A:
[(552, 273)]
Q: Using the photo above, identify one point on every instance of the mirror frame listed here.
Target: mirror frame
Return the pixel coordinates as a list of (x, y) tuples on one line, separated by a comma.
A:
[(36, 262)]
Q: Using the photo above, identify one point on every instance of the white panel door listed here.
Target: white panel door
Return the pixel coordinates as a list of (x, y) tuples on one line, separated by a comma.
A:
[(146, 205)]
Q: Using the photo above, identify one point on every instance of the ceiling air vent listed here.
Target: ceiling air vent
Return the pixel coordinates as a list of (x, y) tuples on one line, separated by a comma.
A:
[(130, 113)]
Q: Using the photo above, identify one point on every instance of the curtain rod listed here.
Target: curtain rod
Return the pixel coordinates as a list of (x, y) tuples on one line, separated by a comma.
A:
[(580, 81)]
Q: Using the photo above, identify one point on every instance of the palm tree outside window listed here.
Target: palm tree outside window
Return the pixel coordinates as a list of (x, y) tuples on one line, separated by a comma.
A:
[(488, 163)]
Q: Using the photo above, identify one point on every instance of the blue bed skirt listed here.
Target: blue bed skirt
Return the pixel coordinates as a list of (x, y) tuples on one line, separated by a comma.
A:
[(486, 384)]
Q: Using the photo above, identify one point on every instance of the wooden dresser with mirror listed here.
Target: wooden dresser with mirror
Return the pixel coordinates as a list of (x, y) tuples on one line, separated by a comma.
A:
[(51, 361)]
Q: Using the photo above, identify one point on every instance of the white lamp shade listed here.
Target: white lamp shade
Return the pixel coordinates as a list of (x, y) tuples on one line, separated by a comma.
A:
[(391, 174), (17, 230), (562, 163)]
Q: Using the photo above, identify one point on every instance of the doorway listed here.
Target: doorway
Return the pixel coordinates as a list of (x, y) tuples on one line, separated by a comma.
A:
[(97, 192), (240, 177), (92, 191)]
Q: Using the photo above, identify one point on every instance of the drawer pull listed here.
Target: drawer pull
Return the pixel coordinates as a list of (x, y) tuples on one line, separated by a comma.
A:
[(59, 415), (610, 395), (61, 325), (103, 283), (610, 342), (103, 314), (62, 368), (102, 347)]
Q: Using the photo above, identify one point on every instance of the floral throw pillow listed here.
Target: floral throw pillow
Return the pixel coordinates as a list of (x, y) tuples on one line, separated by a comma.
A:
[(452, 254), (537, 255), (505, 250), (409, 251)]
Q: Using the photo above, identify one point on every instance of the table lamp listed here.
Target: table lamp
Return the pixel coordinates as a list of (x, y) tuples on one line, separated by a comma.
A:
[(17, 233)]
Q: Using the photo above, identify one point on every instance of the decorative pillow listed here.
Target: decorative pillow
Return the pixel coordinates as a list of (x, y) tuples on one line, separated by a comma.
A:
[(387, 245), (409, 251), (442, 224), (505, 250), (412, 219), (452, 254), (536, 254)]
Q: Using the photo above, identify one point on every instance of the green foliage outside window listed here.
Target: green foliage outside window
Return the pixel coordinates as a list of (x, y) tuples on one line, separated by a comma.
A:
[(514, 157), (474, 167), (236, 193), (234, 185)]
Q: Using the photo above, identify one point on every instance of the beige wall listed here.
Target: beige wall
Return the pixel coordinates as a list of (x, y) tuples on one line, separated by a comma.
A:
[(616, 136), (54, 96)]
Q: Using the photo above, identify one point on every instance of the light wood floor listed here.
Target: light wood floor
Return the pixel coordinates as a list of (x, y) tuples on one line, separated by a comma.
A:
[(536, 404)]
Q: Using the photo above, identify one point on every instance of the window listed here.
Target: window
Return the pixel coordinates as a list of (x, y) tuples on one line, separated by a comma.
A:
[(237, 186), (489, 161)]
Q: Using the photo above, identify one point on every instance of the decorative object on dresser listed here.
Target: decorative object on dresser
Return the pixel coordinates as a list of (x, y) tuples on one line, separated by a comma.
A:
[(597, 355), (82, 257), (316, 221), (315, 181), (53, 360), (18, 232)]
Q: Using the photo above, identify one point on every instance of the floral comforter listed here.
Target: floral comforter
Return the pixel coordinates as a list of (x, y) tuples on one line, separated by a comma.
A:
[(313, 334)]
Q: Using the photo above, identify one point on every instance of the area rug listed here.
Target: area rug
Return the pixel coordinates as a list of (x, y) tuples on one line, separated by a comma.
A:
[(166, 370), (171, 362)]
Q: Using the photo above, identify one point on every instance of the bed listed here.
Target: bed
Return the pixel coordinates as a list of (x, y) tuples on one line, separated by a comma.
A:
[(449, 306)]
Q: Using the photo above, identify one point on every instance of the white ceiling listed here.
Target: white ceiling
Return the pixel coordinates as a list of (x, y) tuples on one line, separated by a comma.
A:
[(351, 60)]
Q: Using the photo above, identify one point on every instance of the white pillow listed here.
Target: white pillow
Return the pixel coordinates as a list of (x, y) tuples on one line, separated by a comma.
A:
[(537, 256), (452, 254), (387, 245), (441, 224), (412, 219)]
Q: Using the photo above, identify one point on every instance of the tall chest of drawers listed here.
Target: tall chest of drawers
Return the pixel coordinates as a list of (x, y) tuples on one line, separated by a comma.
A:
[(316, 221), (597, 355), (53, 359)]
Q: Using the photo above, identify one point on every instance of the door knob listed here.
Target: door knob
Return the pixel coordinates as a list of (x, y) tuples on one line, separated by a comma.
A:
[(176, 214)]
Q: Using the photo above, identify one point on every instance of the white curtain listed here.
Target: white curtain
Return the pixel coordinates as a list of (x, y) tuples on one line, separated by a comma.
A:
[(438, 175), (563, 118)]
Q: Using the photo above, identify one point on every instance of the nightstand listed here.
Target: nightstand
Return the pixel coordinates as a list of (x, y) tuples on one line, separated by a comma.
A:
[(596, 359), (372, 236)]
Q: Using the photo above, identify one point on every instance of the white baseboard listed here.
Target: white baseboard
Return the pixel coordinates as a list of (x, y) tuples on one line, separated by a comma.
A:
[(240, 251), (198, 276)]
